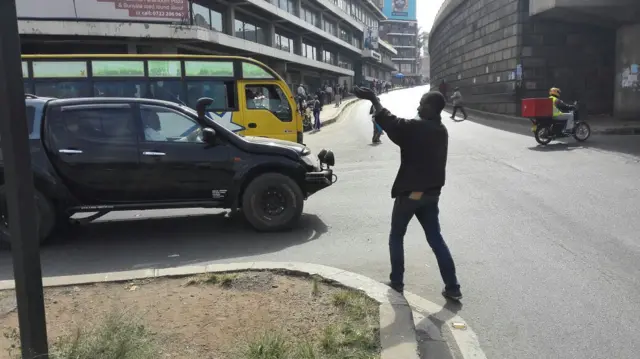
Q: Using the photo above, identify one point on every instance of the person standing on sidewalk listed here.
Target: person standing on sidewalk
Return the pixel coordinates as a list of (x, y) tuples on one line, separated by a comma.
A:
[(423, 146), (316, 105), (338, 95), (457, 103)]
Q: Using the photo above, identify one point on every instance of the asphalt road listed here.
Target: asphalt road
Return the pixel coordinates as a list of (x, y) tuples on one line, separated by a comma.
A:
[(546, 240)]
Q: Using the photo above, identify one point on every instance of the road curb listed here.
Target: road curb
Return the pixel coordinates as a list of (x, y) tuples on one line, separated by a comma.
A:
[(488, 116), (397, 330), (337, 116)]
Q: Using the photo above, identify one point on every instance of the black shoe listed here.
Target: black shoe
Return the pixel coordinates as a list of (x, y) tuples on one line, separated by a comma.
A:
[(452, 294), (398, 287)]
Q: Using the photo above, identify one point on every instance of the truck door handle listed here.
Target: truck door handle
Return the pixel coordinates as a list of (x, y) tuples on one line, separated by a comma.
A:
[(69, 151), (252, 125), (151, 153)]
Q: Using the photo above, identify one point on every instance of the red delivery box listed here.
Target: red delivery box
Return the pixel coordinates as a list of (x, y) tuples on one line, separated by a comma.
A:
[(537, 107)]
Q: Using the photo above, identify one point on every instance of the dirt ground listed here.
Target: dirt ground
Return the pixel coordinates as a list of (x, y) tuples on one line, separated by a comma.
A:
[(197, 320)]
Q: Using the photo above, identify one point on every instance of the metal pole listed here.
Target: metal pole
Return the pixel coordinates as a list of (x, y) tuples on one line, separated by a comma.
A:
[(18, 179)]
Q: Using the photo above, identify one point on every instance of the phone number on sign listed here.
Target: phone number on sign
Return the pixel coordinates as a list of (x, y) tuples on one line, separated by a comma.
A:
[(154, 13)]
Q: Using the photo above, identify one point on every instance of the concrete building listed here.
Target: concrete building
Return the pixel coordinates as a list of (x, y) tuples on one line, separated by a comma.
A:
[(403, 36), (306, 41), (500, 51)]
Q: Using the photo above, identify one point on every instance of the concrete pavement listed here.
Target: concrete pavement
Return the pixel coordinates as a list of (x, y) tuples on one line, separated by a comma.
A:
[(545, 238)]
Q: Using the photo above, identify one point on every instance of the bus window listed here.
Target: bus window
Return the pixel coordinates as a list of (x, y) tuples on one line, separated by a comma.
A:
[(25, 69), (63, 89), (170, 90), (119, 88), (27, 87), (222, 93), (253, 71)]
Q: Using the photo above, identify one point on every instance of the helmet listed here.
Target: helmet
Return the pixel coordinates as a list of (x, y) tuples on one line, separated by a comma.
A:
[(555, 92)]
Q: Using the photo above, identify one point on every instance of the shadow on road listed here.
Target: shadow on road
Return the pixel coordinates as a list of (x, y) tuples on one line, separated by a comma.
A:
[(553, 147), (448, 348), (161, 242), (628, 144)]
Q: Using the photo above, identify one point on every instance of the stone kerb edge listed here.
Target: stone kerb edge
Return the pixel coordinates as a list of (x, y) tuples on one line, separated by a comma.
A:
[(397, 330)]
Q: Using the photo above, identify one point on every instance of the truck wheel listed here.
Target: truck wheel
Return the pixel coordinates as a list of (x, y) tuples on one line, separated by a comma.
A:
[(45, 217), (272, 202)]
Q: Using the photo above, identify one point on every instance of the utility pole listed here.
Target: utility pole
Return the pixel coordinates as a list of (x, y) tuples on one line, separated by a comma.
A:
[(18, 180)]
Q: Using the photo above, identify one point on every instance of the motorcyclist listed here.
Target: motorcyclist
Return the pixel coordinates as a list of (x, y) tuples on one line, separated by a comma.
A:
[(562, 111)]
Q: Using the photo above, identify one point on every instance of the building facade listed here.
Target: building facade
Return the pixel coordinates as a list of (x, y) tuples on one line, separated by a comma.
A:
[(500, 51), (306, 41), (403, 36)]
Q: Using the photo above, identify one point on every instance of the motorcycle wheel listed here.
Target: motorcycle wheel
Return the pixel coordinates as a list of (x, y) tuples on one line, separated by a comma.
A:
[(543, 136), (582, 132)]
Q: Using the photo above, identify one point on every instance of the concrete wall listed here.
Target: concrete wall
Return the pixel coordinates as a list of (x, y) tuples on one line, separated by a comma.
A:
[(577, 58), (474, 46), (480, 45), (627, 82)]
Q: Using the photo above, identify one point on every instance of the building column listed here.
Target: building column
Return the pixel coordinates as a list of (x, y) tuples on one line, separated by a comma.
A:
[(626, 93), (297, 45), (230, 20), (271, 34)]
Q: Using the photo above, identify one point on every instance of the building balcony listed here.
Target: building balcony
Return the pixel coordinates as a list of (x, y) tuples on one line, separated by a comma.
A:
[(404, 59)]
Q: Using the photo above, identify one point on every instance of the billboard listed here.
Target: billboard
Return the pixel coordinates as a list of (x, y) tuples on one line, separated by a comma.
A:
[(400, 9), (119, 10), (371, 37)]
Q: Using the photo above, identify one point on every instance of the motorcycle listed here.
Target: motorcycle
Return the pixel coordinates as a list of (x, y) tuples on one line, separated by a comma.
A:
[(546, 129)]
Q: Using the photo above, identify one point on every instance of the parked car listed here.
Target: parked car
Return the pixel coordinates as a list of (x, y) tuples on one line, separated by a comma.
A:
[(114, 154)]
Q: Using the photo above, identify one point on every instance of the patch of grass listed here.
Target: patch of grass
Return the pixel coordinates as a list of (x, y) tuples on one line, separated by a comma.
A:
[(118, 336), (315, 287), (225, 280), (355, 304), (269, 346)]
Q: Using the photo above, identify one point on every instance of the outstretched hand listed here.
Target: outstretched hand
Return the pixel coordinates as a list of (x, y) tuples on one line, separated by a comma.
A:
[(365, 94)]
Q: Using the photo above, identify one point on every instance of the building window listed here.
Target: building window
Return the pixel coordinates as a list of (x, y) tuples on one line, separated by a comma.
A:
[(309, 16), (345, 35), (309, 51), (329, 27), (328, 57), (357, 42), (284, 43), (406, 68), (286, 5), (249, 32), (207, 18)]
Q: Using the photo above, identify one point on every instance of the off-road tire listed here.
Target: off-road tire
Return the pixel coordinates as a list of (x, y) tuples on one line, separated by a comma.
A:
[(45, 218), (253, 209)]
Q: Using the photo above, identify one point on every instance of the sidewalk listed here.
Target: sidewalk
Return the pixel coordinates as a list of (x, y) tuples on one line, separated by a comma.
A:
[(601, 125), (330, 113)]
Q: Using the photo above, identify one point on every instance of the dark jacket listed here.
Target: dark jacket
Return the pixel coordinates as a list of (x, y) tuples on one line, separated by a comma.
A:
[(423, 153)]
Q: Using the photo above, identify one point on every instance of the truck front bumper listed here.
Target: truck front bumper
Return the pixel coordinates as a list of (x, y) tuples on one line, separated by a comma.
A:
[(315, 181)]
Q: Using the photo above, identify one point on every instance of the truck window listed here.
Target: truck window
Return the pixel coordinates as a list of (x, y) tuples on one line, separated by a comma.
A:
[(165, 125), (222, 93), (107, 125), (268, 97)]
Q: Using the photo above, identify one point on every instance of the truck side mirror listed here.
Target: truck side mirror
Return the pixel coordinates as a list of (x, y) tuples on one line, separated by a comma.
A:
[(209, 135), (201, 107)]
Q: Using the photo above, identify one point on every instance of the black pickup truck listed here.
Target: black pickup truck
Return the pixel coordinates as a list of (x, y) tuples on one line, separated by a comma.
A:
[(113, 154)]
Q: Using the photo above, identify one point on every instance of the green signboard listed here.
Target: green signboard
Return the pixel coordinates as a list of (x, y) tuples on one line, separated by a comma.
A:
[(208, 68), (254, 71), (58, 69), (164, 68), (118, 68)]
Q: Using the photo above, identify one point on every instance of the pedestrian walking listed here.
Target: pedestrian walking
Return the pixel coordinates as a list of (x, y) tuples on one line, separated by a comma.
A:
[(338, 95), (457, 103), (423, 143), (377, 130), (317, 108)]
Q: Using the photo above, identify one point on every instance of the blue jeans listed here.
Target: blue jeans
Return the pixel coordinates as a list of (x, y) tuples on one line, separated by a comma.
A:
[(427, 211), (316, 115)]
